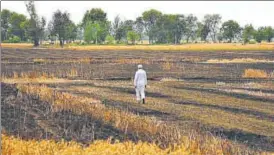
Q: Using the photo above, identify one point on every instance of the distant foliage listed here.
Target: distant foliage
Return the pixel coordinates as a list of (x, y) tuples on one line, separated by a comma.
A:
[(110, 39), (152, 25), (13, 39), (132, 36)]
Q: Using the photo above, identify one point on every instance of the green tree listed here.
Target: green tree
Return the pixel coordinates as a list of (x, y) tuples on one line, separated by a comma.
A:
[(17, 25), (220, 37), (139, 26), (259, 34), (132, 36), (79, 32), (150, 18), (264, 33), (178, 28), (170, 28), (203, 31), (60, 26), (92, 32), (120, 28), (72, 31), (191, 27), (211, 23), (117, 29), (268, 33), (98, 16), (14, 39), (5, 23), (126, 27), (110, 39), (248, 33), (94, 15), (34, 26), (231, 29)]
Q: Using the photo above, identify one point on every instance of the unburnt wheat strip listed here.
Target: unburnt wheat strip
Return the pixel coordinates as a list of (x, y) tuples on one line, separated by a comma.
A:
[(163, 134)]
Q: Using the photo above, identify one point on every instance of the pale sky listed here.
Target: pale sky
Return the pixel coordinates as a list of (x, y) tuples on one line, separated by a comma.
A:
[(258, 13)]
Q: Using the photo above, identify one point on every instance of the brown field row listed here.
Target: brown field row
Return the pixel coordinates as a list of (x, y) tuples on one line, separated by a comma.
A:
[(187, 47)]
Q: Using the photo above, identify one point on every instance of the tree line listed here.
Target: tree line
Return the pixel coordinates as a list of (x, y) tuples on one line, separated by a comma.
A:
[(95, 28)]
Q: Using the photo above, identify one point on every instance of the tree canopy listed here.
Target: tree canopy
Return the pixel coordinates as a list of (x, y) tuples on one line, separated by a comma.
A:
[(158, 27)]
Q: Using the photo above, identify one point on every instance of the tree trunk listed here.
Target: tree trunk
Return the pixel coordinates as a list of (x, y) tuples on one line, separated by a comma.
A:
[(36, 42), (150, 38), (61, 43), (175, 39)]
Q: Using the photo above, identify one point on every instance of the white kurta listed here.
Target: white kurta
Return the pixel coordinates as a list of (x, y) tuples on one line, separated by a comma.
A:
[(140, 81)]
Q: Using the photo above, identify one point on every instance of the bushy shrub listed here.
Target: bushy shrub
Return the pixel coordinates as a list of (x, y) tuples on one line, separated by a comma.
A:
[(14, 39), (132, 36), (110, 39), (252, 41)]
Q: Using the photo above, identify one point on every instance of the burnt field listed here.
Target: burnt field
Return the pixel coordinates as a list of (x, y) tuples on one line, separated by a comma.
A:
[(122, 64), (86, 96)]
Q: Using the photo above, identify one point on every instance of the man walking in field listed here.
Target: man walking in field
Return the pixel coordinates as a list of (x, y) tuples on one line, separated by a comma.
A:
[(140, 82)]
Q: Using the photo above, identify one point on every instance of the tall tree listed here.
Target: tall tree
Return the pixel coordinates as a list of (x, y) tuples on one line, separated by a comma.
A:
[(92, 31), (191, 27), (269, 33), (260, 34), (139, 26), (248, 33), (79, 32), (116, 28), (150, 18), (93, 15), (60, 26), (203, 30), (132, 36), (264, 33), (17, 24), (5, 23), (35, 26), (231, 29), (72, 31), (98, 16), (170, 28), (212, 23)]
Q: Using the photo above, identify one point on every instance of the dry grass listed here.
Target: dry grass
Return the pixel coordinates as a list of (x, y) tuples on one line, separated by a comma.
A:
[(162, 134), (80, 60), (12, 145), (28, 77), (73, 72), (187, 47), (157, 131), (167, 66), (205, 107), (33, 76), (125, 121), (242, 60), (132, 61), (169, 79), (16, 45), (254, 73)]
